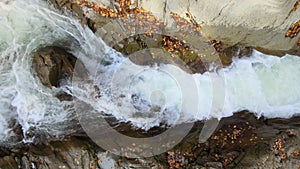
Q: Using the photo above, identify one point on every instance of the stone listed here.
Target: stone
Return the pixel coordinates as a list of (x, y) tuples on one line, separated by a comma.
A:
[(214, 165), (106, 161), (8, 162), (74, 153), (50, 64), (253, 23)]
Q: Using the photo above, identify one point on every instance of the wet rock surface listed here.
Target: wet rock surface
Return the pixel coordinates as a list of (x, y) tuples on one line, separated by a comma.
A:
[(102, 18), (240, 141), (70, 153), (52, 64), (253, 23), (267, 25)]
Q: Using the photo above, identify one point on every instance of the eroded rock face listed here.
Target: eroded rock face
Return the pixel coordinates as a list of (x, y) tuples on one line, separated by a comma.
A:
[(251, 22), (69, 154), (258, 24), (52, 64), (241, 141)]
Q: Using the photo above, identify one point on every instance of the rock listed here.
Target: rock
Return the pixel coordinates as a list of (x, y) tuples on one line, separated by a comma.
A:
[(266, 131), (25, 162), (214, 165), (74, 153), (83, 153), (260, 24), (8, 162), (251, 23), (52, 64), (106, 161), (47, 70)]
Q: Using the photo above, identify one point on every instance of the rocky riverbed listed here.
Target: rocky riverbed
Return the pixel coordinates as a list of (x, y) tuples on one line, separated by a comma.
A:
[(240, 141)]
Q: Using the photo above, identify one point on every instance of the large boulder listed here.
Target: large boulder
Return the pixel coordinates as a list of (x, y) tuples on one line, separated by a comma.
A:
[(52, 64), (253, 23)]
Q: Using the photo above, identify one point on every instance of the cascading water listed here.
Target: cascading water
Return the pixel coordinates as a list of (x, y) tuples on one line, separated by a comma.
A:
[(263, 84), (26, 27)]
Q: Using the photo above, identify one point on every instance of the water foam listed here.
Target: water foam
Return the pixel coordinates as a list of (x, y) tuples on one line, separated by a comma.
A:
[(27, 26)]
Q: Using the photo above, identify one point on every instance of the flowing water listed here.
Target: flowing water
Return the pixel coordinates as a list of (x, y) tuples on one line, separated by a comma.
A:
[(147, 96)]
